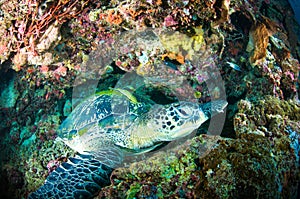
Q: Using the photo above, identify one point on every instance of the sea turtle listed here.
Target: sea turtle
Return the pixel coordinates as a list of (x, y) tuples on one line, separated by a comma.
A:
[(109, 125)]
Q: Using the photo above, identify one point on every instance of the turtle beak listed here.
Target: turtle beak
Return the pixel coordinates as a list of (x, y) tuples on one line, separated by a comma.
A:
[(213, 108), (219, 106)]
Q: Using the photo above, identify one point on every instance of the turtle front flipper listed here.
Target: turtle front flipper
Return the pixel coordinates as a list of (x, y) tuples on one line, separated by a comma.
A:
[(81, 177)]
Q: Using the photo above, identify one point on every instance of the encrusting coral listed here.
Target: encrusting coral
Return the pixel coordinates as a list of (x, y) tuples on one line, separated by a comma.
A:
[(253, 45)]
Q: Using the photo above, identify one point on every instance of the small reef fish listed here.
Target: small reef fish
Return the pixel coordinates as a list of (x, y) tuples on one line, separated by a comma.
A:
[(234, 66)]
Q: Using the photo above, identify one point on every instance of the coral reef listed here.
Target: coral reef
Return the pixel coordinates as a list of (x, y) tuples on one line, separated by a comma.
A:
[(179, 50), (38, 166), (269, 117), (9, 94), (33, 26), (250, 166), (255, 164)]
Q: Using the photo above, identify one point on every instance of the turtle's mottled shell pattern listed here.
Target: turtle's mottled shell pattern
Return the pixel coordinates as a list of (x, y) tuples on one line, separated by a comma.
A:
[(99, 121)]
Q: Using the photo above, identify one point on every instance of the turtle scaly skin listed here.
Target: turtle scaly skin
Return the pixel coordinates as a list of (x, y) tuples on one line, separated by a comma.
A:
[(80, 177), (109, 125)]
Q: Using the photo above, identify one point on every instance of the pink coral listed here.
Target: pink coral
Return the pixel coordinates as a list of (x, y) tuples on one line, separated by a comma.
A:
[(169, 21), (52, 165), (61, 70), (44, 69)]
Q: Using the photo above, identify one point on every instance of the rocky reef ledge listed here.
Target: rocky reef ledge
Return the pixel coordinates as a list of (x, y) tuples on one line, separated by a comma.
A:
[(261, 162)]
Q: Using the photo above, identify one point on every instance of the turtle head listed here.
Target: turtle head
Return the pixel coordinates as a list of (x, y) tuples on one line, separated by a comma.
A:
[(180, 119), (167, 123)]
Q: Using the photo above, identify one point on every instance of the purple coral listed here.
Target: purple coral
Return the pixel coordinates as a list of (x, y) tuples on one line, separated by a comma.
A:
[(52, 165)]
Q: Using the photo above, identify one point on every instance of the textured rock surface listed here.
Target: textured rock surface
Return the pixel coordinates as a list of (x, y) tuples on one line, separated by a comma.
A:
[(212, 167)]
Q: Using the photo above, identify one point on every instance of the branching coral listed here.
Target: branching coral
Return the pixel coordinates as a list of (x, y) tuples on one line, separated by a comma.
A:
[(28, 24)]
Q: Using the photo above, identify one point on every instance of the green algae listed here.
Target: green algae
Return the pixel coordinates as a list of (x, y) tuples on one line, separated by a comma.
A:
[(268, 119), (134, 189), (214, 167)]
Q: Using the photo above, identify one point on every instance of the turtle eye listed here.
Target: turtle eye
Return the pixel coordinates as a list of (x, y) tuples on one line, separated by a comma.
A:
[(183, 112)]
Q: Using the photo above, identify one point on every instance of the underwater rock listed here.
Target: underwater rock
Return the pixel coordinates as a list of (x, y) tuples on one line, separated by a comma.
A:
[(212, 167), (259, 39), (207, 34), (42, 60), (67, 108), (182, 44), (39, 158), (50, 38), (9, 94), (269, 117)]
